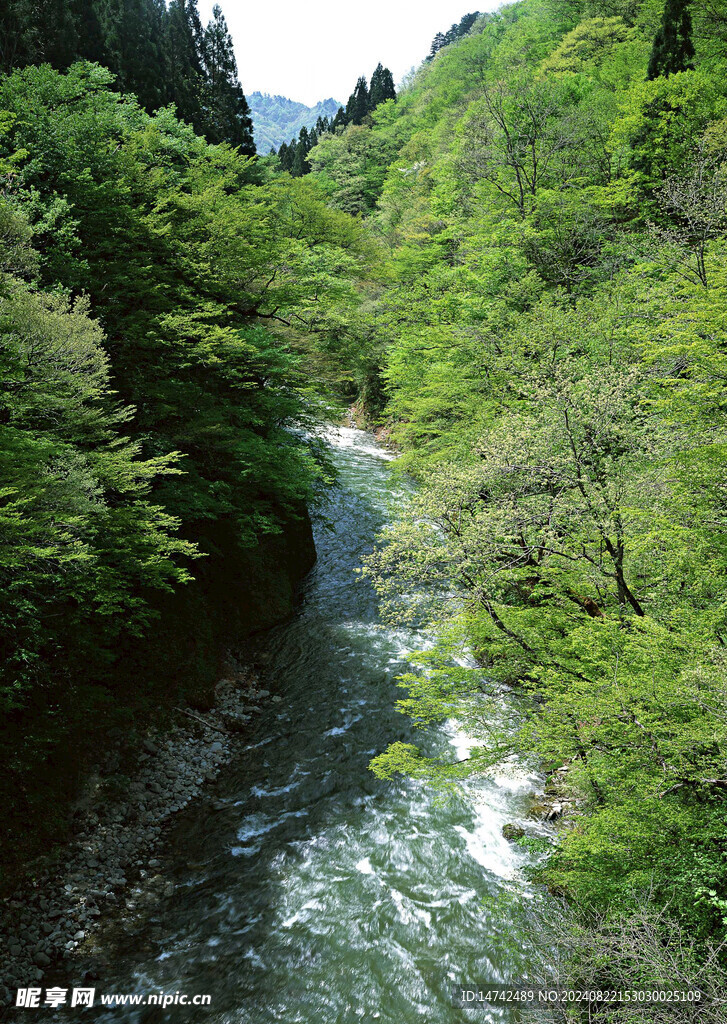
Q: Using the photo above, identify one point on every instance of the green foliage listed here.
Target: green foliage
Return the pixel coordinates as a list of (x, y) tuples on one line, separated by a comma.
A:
[(81, 538), (457, 31), (351, 182), (160, 53), (594, 46), (164, 314), (551, 342), (351, 169)]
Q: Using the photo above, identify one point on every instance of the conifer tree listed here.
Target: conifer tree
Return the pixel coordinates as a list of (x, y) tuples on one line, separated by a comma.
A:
[(673, 49), (134, 32), (159, 53), (297, 168), (16, 35), (339, 121), (53, 32), (300, 165), (358, 103), (382, 87), (286, 156), (226, 111), (455, 32), (89, 41), (183, 45), (437, 43)]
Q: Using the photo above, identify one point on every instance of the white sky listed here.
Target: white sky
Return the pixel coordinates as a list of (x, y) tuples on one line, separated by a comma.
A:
[(309, 50)]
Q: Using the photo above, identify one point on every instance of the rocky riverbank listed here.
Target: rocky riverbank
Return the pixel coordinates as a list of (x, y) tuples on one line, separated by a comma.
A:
[(558, 805), (118, 823)]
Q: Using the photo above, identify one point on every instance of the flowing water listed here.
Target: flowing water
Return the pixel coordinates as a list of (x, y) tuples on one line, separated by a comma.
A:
[(320, 894)]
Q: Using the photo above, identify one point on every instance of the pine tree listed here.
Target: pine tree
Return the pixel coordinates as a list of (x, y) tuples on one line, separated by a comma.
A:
[(226, 112), (54, 33), (298, 166), (673, 49), (382, 87), (183, 45), (466, 23), (285, 156), (453, 33), (16, 35), (90, 43), (339, 121), (358, 103), (437, 43), (134, 33)]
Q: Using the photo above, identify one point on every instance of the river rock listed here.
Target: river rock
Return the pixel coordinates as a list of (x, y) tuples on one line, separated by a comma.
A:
[(513, 832)]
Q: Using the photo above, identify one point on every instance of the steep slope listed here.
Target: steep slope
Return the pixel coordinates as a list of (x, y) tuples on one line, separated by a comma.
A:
[(550, 195), (155, 491)]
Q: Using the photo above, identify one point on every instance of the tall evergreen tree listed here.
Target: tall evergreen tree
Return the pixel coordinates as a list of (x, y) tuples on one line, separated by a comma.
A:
[(339, 121), (437, 43), (453, 33), (89, 42), (18, 34), (227, 114), (159, 53), (300, 165), (286, 156), (673, 49), (183, 45), (382, 87), (54, 32), (134, 32), (358, 103)]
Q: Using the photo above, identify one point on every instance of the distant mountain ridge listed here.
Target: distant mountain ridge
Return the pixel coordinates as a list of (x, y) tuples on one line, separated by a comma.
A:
[(277, 119)]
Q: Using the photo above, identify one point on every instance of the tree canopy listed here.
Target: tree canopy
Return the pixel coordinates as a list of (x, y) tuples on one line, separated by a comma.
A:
[(161, 53)]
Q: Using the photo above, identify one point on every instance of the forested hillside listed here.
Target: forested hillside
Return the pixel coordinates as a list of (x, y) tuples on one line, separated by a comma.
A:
[(365, 98), (156, 479), (276, 119), (548, 351)]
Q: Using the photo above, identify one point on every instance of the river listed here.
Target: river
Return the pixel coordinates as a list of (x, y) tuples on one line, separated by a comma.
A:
[(319, 894)]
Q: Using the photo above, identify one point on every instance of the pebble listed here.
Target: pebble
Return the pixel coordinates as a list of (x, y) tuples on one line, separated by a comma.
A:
[(40, 928)]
